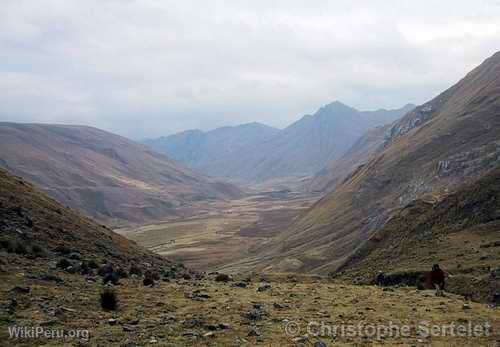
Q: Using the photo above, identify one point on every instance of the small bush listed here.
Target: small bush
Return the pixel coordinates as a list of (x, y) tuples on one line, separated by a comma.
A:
[(152, 274), (109, 300), (38, 251), (135, 270), (63, 264), (92, 264), (222, 278), (111, 278), (19, 248), (64, 250), (148, 281), (105, 270), (7, 245), (121, 273)]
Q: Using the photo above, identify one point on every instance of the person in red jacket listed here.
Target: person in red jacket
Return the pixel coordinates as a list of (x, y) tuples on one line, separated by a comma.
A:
[(437, 279)]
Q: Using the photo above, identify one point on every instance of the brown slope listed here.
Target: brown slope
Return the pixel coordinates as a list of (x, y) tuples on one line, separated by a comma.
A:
[(461, 232), (359, 154), (448, 141), (109, 177), (29, 217)]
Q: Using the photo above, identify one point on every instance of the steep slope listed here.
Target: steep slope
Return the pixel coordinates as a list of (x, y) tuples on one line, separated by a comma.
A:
[(461, 232), (107, 176), (36, 226), (339, 169), (205, 150), (449, 141), (300, 149)]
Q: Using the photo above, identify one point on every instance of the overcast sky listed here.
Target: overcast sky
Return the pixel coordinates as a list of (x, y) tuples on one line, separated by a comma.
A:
[(147, 68)]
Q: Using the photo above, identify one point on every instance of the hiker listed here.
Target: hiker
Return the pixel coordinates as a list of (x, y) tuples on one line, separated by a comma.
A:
[(437, 279), (380, 279)]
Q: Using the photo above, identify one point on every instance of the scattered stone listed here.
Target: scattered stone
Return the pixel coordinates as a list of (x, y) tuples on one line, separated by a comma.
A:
[(264, 287), (74, 256), (128, 328), (300, 339), (279, 306), (21, 290), (254, 331), (223, 326), (240, 284)]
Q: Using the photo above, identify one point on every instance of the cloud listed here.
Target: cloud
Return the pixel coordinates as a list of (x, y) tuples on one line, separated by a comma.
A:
[(153, 67)]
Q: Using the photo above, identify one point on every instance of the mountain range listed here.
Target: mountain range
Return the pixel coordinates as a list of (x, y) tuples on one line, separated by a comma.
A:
[(109, 177), (443, 145), (255, 152)]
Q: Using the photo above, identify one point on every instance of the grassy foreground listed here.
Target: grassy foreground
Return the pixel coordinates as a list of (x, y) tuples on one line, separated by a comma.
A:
[(205, 312)]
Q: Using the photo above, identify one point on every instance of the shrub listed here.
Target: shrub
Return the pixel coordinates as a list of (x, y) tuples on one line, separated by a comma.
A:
[(109, 300), (111, 278), (105, 270), (148, 281), (19, 248), (121, 273), (93, 264), (38, 251), (152, 274), (63, 264), (222, 278), (7, 245), (135, 270), (63, 250)]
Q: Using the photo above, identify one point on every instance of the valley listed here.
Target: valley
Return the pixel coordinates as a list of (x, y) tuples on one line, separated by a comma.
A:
[(222, 231)]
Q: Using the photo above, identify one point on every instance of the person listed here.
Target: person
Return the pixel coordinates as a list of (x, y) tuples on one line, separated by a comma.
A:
[(437, 279)]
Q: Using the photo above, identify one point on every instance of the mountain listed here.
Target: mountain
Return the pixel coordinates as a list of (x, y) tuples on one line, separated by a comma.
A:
[(200, 150), (339, 169), (58, 268), (108, 177), (461, 230), (300, 149), (447, 142), (36, 226)]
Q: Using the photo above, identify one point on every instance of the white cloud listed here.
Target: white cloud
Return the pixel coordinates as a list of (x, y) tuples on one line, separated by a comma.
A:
[(153, 67)]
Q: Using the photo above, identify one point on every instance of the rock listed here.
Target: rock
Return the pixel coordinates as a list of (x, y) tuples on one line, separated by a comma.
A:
[(190, 334), (128, 328), (240, 284), (466, 307), (153, 340), (254, 315), (319, 344), (21, 290), (254, 331), (210, 327), (112, 321), (209, 334), (300, 339), (223, 326), (74, 256), (264, 287)]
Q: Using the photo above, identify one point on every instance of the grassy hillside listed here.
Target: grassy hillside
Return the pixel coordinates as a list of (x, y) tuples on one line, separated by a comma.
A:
[(461, 232), (108, 177), (451, 140)]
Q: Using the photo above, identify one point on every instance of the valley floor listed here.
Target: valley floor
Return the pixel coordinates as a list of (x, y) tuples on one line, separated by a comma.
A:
[(204, 312), (223, 231)]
